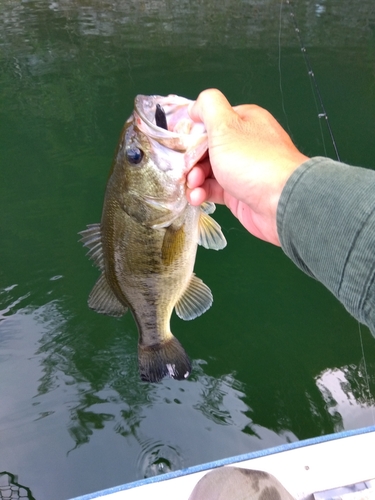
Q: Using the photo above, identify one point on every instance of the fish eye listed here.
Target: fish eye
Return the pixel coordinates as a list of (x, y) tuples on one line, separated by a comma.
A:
[(134, 155)]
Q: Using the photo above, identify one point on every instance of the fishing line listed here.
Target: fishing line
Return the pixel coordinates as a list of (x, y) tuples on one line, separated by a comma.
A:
[(280, 78), (365, 370), (322, 114)]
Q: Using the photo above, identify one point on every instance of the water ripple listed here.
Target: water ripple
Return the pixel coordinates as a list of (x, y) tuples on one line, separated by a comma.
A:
[(158, 458)]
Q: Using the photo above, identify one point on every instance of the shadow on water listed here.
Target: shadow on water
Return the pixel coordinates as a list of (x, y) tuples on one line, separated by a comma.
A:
[(276, 359)]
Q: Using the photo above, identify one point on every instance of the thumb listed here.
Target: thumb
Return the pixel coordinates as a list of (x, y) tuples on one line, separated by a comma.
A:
[(211, 108)]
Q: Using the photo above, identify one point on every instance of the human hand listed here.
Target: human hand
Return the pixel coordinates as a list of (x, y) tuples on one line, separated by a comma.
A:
[(250, 159)]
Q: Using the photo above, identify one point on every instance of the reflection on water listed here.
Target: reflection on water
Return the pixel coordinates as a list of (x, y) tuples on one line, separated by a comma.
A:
[(348, 396), (168, 23), (74, 388), (220, 394), (10, 489), (275, 359), (66, 387)]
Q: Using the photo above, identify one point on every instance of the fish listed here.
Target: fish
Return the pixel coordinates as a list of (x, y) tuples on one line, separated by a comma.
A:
[(146, 242)]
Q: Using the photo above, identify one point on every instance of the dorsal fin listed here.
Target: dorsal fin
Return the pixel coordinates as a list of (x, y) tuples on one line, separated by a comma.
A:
[(195, 301), (92, 239)]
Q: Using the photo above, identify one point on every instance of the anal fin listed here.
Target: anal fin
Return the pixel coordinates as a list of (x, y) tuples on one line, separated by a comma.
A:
[(104, 301), (195, 301)]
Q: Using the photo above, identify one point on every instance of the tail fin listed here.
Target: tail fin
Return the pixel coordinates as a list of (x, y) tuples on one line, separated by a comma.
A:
[(159, 360)]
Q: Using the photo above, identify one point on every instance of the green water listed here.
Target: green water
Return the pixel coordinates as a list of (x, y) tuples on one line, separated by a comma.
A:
[(277, 358)]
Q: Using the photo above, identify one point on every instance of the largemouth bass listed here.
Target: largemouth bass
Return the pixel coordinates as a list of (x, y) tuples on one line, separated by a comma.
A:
[(146, 243)]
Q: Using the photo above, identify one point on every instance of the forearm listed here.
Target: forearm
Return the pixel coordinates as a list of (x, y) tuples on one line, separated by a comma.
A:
[(326, 225)]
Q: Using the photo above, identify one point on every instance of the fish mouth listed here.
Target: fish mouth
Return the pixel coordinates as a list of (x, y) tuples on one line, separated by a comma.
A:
[(166, 120)]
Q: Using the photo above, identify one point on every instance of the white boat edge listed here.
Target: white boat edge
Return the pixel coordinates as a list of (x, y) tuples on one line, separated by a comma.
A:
[(303, 467)]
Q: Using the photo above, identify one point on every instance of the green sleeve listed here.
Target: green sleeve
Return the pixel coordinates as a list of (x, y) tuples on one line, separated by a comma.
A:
[(326, 225)]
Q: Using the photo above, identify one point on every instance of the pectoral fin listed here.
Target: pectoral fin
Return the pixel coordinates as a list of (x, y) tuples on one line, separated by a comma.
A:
[(173, 244), (210, 234), (208, 207), (195, 301), (92, 239), (104, 301)]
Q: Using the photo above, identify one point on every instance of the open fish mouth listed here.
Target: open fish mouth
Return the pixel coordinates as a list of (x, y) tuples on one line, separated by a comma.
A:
[(166, 120)]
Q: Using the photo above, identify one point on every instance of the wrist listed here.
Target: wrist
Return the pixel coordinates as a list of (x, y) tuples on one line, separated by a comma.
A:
[(274, 197)]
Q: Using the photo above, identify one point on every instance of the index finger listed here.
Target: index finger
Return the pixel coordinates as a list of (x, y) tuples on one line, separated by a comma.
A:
[(211, 108)]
